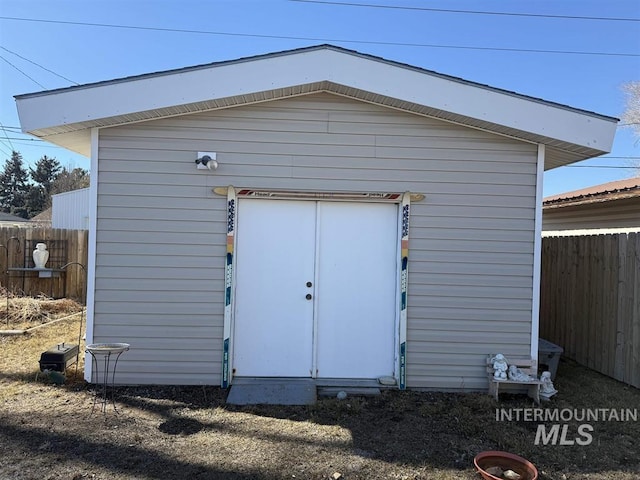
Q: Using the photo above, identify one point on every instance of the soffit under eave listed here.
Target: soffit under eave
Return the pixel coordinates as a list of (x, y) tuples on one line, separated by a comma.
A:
[(559, 153)]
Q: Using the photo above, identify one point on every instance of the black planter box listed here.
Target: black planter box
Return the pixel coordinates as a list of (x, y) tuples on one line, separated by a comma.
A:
[(59, 357)]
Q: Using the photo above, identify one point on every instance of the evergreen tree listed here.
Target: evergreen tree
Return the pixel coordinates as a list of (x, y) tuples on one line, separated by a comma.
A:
[(36, 200), (14, 188), (45, 173)]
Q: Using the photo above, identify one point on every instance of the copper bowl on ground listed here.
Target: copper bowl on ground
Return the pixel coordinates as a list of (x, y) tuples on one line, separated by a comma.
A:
[(505, 461)]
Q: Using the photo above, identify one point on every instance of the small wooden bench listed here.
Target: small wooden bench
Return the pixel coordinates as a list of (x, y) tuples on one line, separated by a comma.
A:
[(527, 365)]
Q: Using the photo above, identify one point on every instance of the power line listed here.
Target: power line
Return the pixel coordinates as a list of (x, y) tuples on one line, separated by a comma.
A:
[(30, 78), (44, 141), (319, 39), (38, 65), (7, 137), (25, 140), (48, 146), (28, 141), (11, 129), (2, 149), (471, 12), (15, 129), (602, 166)]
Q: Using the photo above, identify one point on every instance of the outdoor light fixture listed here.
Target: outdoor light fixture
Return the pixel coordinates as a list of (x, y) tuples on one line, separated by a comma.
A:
[(206, 161)]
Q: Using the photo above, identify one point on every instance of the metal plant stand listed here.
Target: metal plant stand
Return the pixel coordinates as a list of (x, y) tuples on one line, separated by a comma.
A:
[(109, 353)]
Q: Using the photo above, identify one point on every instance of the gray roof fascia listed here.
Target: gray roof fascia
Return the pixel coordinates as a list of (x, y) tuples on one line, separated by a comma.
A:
[(314, 48)]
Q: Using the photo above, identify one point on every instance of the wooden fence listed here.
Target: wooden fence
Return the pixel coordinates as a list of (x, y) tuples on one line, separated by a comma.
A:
[(590, 301), (65, 271)]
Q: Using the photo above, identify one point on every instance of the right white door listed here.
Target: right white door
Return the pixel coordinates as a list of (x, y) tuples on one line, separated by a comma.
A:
[(356, 262)]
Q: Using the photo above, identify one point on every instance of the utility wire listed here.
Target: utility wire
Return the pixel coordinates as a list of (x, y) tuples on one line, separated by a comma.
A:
[(470, 12), (6, 136), (30, 78), (10, 130), (319, 39), (2, 149), (603, 166), (599, 158), (25, 141), (38, 65)]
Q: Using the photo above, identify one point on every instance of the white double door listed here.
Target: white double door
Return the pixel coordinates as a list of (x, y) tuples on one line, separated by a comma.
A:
[(316, 287)]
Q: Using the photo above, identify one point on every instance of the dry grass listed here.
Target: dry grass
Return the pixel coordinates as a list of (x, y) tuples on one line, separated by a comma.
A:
[(21, 353), (47, 432), (18, 313)]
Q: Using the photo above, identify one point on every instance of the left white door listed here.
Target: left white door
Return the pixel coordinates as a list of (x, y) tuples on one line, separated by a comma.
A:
[(273, 331)]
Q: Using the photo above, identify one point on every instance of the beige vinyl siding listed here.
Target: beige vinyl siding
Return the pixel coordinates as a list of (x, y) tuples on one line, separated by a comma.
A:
[(161, 230), (623, 213)]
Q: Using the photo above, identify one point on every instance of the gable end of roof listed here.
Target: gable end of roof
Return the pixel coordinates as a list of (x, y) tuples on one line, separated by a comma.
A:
[(61, 116)]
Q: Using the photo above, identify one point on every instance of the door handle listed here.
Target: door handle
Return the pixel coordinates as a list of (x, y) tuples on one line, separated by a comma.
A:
[(308, 297)]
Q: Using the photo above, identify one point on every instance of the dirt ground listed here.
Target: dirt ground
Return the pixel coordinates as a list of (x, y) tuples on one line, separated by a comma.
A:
[(47, 431)]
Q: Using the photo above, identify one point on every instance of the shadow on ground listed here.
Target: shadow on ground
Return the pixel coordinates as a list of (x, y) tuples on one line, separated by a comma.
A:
[(183, 432), (133, 461), (445, 431)]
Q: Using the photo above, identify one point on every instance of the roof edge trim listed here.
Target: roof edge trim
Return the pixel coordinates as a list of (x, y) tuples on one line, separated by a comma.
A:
[(310, 49)]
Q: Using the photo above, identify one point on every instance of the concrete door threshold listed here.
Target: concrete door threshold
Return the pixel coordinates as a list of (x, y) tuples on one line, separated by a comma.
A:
[(296, 391), (272, 391), (331, 387), (338, 391)]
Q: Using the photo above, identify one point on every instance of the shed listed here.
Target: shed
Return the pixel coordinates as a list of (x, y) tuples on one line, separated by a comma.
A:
[(43, 219), (70, 210), (8, 220), (608, 207), (348, 217)]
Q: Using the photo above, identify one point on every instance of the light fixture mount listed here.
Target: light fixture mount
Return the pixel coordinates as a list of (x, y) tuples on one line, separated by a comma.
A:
[(206, 161)]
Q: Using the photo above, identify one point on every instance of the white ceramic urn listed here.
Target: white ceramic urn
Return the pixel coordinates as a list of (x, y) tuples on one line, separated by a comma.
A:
[(40, 255)]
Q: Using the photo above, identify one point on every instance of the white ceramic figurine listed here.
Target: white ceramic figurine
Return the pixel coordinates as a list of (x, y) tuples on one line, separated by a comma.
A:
[(500, 366), (518, 375), (547, 390)]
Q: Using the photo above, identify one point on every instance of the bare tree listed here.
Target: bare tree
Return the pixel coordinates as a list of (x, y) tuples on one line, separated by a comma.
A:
[(69, 179), (631, 115)]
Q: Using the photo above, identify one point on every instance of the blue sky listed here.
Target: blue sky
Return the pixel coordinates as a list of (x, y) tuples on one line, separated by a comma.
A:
[(45, 33)]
